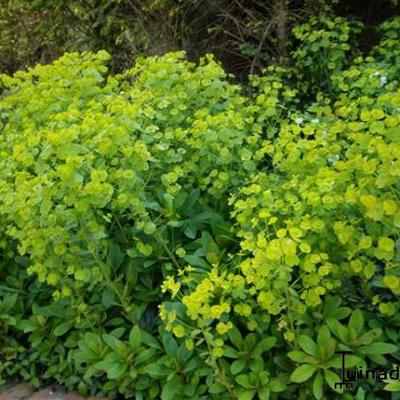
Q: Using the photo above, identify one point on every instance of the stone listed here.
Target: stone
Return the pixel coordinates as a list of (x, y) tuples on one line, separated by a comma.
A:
[(17, 392)]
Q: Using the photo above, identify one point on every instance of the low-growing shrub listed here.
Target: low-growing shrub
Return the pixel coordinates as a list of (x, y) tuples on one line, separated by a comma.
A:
[(109, 184), (323, 221), (165, 235)]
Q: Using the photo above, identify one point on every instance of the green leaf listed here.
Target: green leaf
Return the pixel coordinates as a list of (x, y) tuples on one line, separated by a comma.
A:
[(27, 326), (369, 336), (62, 328), (138, 395), (115, 256), (150, 340), (93, 342), (327, 350), (131, 272), (338, 330), (246, 395), (332, 309), (249, 342), (183, 354), (190, 231), (208, 242), (360, 395), (111, 340), (336, 362), (257, 364), (112, 366), (308, 345), (243, 380), (331, 378), (116, 370), (392, 334), (175, 224), (378, 348), (145, 355), (170, 344), (263, 346), (236, 337), (155, 370), (302, 373), (378, 359), (237, 366), (121, 349), (135, 338), (264, 393), (197, 262), (170, 390), (230, 352), (297, 356), (323, 336), (107, 298), (277, 385), (9, 302), (118, 332), (318, 386), (262, 376), (190, 390), (191, 200), (191, 365), (393, 386), (216, 388), (356, 321)]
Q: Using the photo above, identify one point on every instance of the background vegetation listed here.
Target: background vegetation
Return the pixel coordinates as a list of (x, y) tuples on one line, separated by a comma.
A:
[(244, 35), (178, 225)]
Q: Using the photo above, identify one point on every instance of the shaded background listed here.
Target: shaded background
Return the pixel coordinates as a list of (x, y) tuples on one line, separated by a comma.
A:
[(245, 35)]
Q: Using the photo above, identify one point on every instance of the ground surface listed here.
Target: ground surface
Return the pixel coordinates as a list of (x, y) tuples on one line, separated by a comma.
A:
[(22, 391)]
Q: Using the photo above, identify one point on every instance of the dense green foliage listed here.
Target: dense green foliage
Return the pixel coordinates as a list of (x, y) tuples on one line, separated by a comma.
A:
[(166, 233)]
